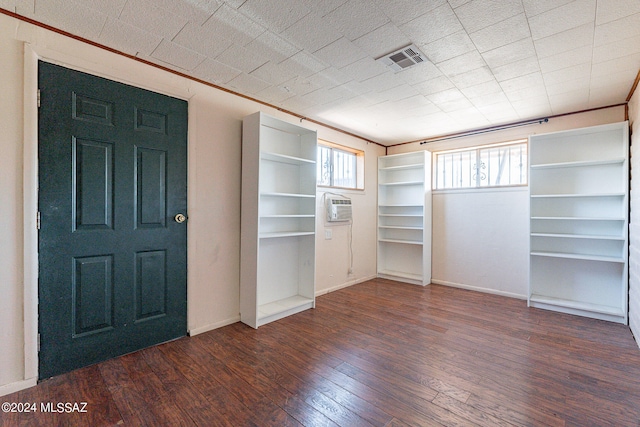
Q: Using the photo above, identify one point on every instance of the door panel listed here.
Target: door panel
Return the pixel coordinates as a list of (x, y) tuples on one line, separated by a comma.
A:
[(112, 175)]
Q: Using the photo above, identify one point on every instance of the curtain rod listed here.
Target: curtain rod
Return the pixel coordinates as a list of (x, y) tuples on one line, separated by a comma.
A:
[(487, 130)]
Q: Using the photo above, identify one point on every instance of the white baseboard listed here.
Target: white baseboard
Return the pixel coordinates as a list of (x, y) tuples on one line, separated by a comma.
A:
[(212, 326), (17, 386), (478, 289), (344, 285)]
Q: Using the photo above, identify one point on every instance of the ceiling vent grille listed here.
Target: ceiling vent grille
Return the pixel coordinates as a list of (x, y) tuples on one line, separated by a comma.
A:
[(404, 58)]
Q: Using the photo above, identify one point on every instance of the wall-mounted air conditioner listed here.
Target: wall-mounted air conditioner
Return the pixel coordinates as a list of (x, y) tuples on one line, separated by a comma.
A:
[(338, 210)]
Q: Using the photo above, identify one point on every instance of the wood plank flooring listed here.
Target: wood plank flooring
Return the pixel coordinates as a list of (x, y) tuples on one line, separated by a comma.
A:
[(380, 353)]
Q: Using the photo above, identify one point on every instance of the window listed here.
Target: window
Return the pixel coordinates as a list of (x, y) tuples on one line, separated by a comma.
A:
[(340, 166), (487, 166)]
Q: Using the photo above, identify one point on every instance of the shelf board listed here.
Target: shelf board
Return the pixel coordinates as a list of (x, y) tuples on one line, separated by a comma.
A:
[(579, 256), (288, 216), (577, 218), (406, 242), (582, 163), (403, 167), (579, 236), (283, 158), (403, 274), (286, 234), (286, 304), (401, 227), (309, 196), (389, 184), (575, 195), (400, 205), (585, 306), (403, 215)]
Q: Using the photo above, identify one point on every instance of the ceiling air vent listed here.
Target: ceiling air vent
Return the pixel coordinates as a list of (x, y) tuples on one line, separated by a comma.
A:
[(404, 58)]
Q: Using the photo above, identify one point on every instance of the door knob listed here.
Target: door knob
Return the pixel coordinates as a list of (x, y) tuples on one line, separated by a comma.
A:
[(180, 218)]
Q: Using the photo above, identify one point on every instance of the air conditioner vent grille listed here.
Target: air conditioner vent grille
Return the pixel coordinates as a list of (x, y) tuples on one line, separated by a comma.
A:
[(404, 58)]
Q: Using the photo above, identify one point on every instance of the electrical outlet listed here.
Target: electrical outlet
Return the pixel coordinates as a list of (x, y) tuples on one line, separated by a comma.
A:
[(328, 234)]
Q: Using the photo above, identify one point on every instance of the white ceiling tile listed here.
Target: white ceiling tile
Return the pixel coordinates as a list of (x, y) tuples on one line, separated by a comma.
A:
[(414, 105), (382, 40), (563, 18), (469, 117), (565, 41), (559, 61), (356, 18), (507, 54), (331, 77), (608, 95), (536, 7), (300, 86), (70, 16), (402, 11), (274, 94), (111, 8), (272, 46), (364, 69), (531, 109), (624, 78), (517, 69), (126, 38), (617, 30), (215, 72), (478, 14), (455, 105), (533, 94), (500, 112), (241, 59), (198, 38), (472, 78), (458, 3), (145, 14), (247, 84), (303, 64), (486, 88), (453, 94), (618, 65), (461, 64), (397, 93), (340, 53), (233, 25), (272, 73), (523, 82), (197, 11), (322, 96), (432, 25), (608, 11), (234, 3), (577, 84), (322, 7), (437, 84), (275, 16), (489, 99), (448, 47), (23, 7), (420, 73), (569, 102), (617, 50), (9, 5), (503, 33), (311, 32), (179, 56), (567, 74), (381, 82)]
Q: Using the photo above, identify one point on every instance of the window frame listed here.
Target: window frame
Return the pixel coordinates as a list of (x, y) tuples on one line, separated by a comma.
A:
[(478, 149), (359, 165)]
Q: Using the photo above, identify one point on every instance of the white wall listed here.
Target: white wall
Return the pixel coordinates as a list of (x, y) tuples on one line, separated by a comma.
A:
[(634, 218), (214, 192), (481, 238)]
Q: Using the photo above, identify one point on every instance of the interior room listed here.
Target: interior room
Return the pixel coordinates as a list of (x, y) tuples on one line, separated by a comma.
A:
[(342, 212)]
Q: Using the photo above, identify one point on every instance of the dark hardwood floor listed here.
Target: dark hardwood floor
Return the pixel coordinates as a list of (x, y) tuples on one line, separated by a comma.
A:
[(379, 353)]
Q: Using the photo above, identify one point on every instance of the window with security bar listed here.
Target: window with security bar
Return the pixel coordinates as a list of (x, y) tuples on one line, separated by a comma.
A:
[(339, 166), (496, 165)]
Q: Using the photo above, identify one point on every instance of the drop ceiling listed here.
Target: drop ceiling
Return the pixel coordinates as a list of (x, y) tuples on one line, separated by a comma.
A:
[(487, 62)]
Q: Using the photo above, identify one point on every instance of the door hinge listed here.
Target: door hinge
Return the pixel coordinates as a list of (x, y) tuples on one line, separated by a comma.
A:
[(38, 342), (38, 98), (38, 220)]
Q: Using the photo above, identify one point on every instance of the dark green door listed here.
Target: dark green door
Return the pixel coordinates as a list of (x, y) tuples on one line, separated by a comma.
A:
[(112, 257)]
